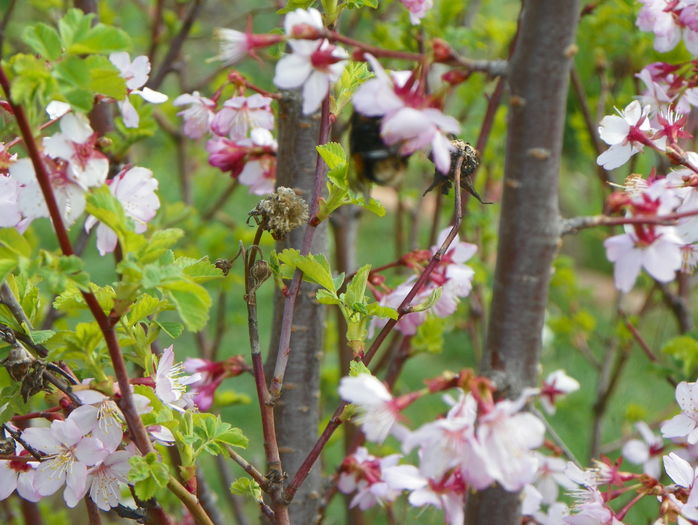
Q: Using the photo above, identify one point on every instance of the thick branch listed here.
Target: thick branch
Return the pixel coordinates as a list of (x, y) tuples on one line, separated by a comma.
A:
[(529, 225)]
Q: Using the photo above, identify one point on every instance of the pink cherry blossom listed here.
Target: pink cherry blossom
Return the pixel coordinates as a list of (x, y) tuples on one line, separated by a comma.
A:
[(313, 64), (211, 376), (198, 116), (251, 160), (75, 144), (105, 481), (409, 116), (626, 133), (507, 437), (101, 416), (684, 424), (646, 451), (70, 196), (450, 442), (378, 410), (661, 257), (681, 473), (171, 383), (10, 214), (556, 385), (19, 475), (234, 45), (670, 21), (408, 323), (136, 75), (69, 454), (417, 8), (590, 508), (550, 477), (452, 273), (375, 480), (241, 114), (446, 494), (135, 189)]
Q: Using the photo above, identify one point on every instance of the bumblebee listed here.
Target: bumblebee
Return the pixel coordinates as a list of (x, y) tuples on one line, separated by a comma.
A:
[(471, 160), (374, 160)]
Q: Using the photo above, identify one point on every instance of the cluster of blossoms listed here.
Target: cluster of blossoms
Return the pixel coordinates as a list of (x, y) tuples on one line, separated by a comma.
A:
[(74, 165), (656, 121), (86, 452), (452, 276), (477, 443), (240, 142), (411, 119)]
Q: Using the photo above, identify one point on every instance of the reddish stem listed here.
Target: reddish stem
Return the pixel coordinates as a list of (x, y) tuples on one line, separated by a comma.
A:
[(290, 299)]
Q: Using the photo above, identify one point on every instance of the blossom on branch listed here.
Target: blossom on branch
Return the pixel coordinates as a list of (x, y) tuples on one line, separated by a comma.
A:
[(241, 114), (171, 383), (313, 64), (198, 116), (378, 410), (135, 189), (646, 451), (626, 133), (135, 73), (417, 8), (684, 424)]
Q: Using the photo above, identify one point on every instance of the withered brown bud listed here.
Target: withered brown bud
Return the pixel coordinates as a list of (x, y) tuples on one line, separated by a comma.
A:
[(224, 265), (280, 213), (33, 381), (260, 272)]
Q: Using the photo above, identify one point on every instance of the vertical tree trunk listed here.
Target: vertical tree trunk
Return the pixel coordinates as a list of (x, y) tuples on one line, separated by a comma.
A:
[(529, 224), (297, 412)]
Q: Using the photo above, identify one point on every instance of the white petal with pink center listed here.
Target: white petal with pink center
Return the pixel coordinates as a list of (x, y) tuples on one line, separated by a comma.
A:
[(171, 383), (377, 411), (198, 116), (684, 424)]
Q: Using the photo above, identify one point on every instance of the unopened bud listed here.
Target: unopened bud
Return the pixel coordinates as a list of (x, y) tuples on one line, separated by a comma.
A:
[(260, 272), (442, 51), (280, 213)]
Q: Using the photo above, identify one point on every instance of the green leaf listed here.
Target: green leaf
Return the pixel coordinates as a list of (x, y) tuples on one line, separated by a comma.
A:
[(211, 435), (148, 474), (246, 487), (81, 38), (41, 336), (145, 305), (6, 267), (326, 297), (105, 78), (199, 270), (73, 77), (333, 154), (685, 350), (430, 301), (357, 368), (171, 328), (13, 244), (43, 39), (159, 243), (315, 268), (192, 302), (32, 82), (101, 39), (378, 310), (356, 289)]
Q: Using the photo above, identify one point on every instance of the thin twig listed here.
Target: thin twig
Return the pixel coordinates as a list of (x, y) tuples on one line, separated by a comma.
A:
[(262, 481), (176, 45), (92, 511), (575, 224), (555, 436)]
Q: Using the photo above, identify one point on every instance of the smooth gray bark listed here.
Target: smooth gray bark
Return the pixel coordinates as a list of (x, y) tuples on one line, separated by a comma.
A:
[(297, 412), (529, 224)]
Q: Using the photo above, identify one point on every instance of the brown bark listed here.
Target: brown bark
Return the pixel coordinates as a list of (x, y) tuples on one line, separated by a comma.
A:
[(297, 412), (529, 224)]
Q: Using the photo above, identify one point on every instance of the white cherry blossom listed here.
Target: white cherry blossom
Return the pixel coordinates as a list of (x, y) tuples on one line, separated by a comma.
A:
[(377, 409), (624, 133), (136, 74), (171, 383)]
